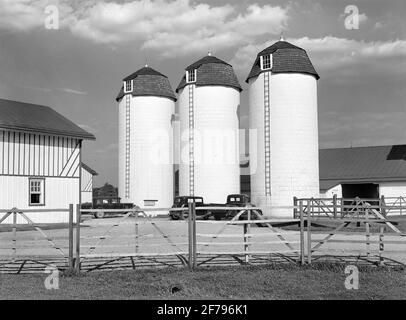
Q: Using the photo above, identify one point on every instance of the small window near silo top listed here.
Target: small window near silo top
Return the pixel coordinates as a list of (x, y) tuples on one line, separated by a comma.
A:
[(150, 203), (36, 192), (266, 62), (191, 76), (128, 86)]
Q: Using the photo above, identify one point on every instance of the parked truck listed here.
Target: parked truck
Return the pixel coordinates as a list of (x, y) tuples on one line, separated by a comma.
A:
[(106, 203), (233, 200)]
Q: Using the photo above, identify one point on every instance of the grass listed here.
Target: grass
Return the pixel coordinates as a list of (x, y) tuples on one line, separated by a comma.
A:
[(272, 282)]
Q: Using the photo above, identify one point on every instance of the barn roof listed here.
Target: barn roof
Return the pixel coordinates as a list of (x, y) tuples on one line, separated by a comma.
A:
[(367, 164), (212, 71), (21, 116), (88, 169), (148, 82), (286, 58)]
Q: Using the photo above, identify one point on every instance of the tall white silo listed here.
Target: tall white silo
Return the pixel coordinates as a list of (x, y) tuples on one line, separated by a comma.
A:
[(209, 98), (283, 112), (146, 108)]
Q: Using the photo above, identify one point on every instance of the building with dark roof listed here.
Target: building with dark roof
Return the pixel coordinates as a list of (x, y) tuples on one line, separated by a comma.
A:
[(365, 172), (283, 111), (40, 163), (146, 107), (208, 104)]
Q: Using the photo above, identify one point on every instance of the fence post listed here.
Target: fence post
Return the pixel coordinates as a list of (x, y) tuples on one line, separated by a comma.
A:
[(383, 206), (136, 233), (367, 232), (70, 258), (309, 236), (381, 244), (247, 229), (335, 206), (190, 232), (15, 232), (78, 218), (194, 235), (302, 248)]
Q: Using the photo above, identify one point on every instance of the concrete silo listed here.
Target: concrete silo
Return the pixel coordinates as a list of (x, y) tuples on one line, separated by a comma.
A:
[(146, 108), (209, 98), (283, 113)]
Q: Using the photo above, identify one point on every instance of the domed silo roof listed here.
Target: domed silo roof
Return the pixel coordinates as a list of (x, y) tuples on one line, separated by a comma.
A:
[(149, 82), (286, 58), (212, 71)]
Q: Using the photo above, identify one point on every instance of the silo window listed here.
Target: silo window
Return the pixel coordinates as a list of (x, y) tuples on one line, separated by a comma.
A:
[(266, 62), (191, 76), (128, 86)]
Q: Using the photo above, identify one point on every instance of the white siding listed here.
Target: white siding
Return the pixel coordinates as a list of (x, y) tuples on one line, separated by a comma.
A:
[(27, 154), (87, 186), (336, 190), (392, 189), (59, 193), (56, 159)]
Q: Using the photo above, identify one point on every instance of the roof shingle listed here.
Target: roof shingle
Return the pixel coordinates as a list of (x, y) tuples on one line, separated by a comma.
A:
[(148, 82), (286, 58), (212, 71), (381, 163), (21, 116)]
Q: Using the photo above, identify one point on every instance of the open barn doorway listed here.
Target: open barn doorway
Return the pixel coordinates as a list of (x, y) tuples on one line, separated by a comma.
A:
[(361, 190)]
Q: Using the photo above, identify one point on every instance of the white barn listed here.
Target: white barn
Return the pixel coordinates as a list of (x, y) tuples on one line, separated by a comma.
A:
[(40, 156), (86, 181)]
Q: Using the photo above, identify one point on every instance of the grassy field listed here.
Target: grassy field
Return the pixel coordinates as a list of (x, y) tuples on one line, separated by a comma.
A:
[(283, 282)]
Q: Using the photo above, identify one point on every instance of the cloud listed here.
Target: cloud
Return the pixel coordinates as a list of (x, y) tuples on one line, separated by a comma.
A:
[(21, 15), (338, 54), (170, 27), (73, 91)]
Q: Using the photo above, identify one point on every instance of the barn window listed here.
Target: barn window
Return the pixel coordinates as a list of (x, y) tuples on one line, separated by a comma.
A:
[(128, 86), (36, 192), (191, 76), (266, 62)]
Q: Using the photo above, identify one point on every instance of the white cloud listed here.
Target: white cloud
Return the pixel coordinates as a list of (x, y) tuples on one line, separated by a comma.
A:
[(170, 27), (21, 15), (73, 91), (183, 27)]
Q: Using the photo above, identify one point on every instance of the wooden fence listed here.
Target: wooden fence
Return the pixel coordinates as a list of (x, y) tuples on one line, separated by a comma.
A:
[(339, 229), (350, 228)]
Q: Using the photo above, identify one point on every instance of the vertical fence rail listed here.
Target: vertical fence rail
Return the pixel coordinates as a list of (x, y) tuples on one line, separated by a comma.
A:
[(70, 254), (14, 234), (302, 248), (309, 235), (78, 219), (190, 233)]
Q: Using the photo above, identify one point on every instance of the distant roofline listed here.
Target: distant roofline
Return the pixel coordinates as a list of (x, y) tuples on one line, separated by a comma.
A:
[(88, 169)]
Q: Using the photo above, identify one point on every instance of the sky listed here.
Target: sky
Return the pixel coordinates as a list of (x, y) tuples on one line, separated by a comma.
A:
[(73, 55)]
